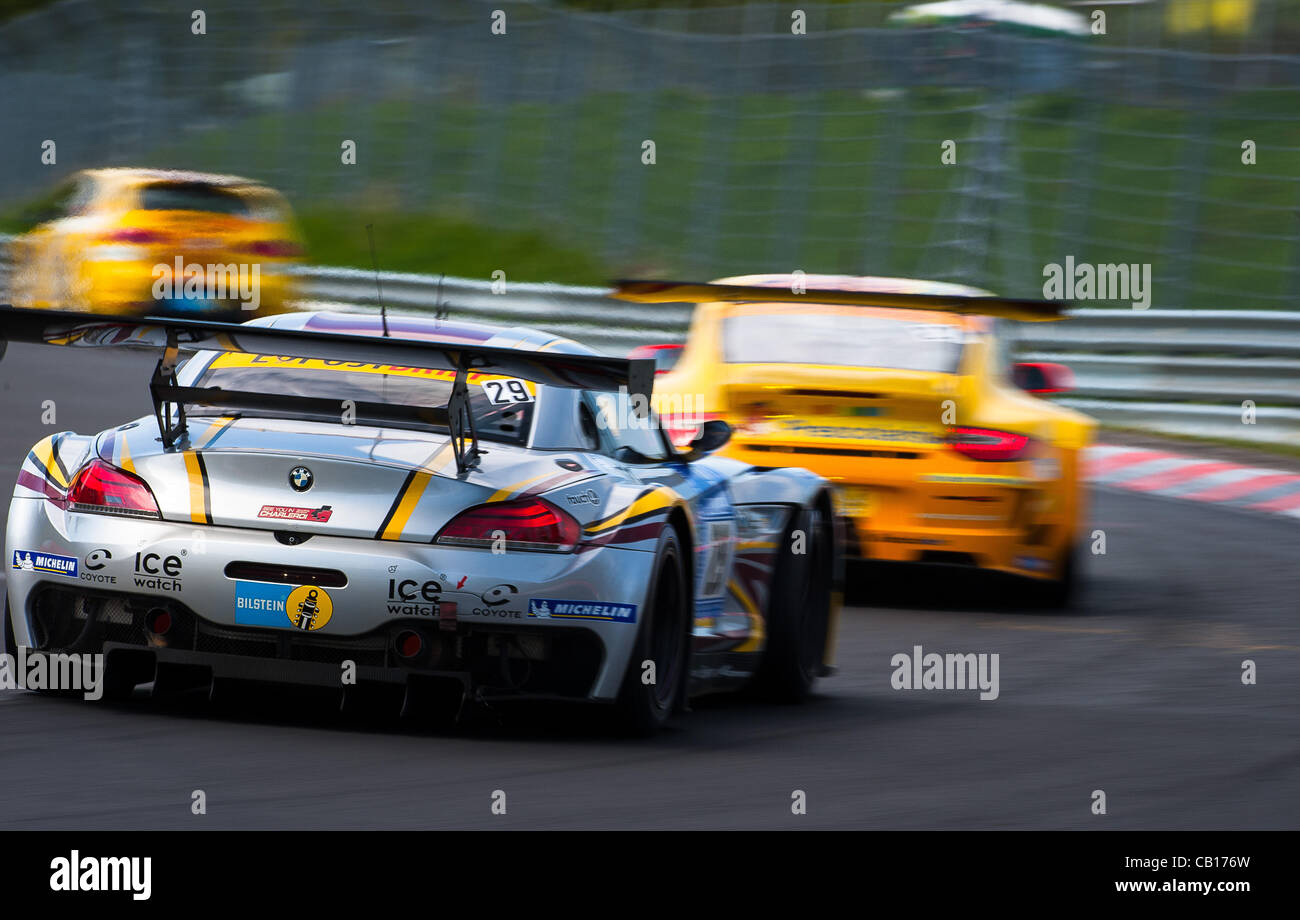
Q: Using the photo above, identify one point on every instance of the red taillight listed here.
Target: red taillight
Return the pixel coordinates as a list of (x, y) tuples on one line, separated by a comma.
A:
[(133, 235), (529, 524), (682, 434), (158, 622), (275, 249), (409, 644), (664, 356), (103, 488), (987, 444)]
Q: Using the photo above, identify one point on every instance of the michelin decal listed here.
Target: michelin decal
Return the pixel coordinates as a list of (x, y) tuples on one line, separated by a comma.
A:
[(545, 608)]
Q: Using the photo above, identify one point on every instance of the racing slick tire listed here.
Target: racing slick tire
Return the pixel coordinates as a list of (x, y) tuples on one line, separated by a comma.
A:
[(11, 644), (113, 686), (1059, 593), (798, 619), (643, 707)]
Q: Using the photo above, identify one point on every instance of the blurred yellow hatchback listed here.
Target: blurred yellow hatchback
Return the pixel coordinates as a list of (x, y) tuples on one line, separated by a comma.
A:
[(940, 449), (148, 241)]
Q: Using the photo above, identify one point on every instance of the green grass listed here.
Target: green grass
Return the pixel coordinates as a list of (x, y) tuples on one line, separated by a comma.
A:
[(835, 181), (454, 245)]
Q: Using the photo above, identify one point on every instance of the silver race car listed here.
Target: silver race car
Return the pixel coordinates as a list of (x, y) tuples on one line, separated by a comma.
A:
[(357, 500)]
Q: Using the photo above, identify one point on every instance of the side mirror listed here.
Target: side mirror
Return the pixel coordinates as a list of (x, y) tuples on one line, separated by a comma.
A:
[(713, 434), (665, 356), (1042, 377)]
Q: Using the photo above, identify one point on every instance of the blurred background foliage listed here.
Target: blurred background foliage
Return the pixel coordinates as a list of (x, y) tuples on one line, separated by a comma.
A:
[(524, 152)]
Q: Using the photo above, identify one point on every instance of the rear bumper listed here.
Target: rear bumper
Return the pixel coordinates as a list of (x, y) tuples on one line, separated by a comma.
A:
[(996, 550), (930, 507), (492, 639), (491, 662)]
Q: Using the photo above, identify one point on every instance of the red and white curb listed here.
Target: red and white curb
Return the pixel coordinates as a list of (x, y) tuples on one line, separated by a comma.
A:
[(1194, 478)]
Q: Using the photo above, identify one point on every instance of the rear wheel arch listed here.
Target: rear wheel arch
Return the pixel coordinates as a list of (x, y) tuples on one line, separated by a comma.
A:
[(679, 522)]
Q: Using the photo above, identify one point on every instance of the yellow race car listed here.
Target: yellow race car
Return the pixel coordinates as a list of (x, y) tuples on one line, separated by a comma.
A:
[(901, 393), (148, 241)]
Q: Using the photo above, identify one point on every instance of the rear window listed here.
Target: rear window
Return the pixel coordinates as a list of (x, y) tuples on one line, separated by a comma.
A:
[(502, 406), (842, 339), (193, 196)]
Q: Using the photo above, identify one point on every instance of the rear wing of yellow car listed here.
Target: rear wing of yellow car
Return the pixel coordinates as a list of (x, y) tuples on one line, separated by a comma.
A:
[(698, 292)]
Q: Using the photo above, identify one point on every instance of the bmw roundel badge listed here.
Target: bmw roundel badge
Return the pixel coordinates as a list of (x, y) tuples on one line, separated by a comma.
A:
[(301, 478)]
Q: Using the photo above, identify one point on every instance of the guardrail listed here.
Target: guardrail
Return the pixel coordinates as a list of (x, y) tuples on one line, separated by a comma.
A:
[(1179, 372), (585, 314)]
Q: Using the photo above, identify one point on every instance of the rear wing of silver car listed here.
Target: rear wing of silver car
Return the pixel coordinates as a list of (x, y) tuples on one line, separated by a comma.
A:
[(700, 292), (172, 336)]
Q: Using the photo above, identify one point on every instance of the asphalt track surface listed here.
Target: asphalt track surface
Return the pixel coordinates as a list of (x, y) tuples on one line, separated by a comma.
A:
[(1136, 692)]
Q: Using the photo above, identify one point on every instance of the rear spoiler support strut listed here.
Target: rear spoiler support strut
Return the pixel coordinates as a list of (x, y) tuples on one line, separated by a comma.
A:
[(460, 420), (163, 385), (170, 399)]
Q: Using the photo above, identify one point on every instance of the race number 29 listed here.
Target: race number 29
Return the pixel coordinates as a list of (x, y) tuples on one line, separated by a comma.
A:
[(506, 390)]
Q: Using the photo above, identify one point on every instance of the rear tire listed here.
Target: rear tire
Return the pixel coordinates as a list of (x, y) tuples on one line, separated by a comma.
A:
[(661, 638), (111, 689), (11, 644), (1059, 593), (798, 617)]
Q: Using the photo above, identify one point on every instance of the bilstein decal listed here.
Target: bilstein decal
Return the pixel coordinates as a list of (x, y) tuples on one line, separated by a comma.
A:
[(306, 607)]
